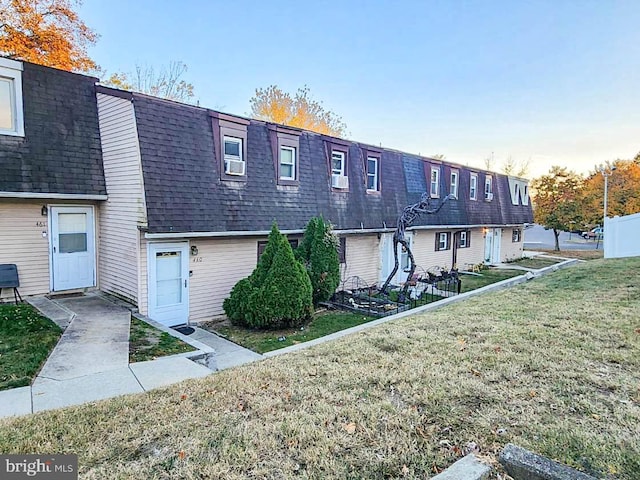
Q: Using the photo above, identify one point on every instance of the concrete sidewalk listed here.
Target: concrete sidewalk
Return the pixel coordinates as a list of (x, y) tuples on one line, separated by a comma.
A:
[(91, 360)]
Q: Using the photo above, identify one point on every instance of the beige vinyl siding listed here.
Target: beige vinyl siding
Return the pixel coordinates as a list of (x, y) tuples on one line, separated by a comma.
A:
[(143, 278), (424, 250), (362, 258), (474, 254), (124, 210), (220, 263), (22, 243), (511, 250), (216, 269)]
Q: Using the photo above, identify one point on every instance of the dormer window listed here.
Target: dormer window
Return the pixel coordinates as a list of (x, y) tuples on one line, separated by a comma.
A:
[(285, 146), (454, 183), (373, 173), (338, 163), (233, 159), (230, 141), (11, 115), (473, 186), (488, 188), (287, 163), (435, 182)]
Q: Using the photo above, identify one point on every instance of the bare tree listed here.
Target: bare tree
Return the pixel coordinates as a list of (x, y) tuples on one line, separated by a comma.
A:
[(517, 168), (165, 82)]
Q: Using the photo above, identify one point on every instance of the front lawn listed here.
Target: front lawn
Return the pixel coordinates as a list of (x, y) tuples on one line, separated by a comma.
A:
[(262, 341), (26, 339), (579, 254), (535, 262), (552, 365), (486, 277), (147, 342), (328, 322)]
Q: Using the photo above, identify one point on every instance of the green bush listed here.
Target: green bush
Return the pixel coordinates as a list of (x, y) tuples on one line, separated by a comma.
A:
[(318, 251), (278, 292)]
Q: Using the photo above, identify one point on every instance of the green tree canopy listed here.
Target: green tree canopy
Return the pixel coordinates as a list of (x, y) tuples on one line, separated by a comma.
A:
[(558, 201), (318, 251)]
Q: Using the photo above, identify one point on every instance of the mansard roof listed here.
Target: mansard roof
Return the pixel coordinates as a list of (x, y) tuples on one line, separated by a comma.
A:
[(185, 191), (60, 152)]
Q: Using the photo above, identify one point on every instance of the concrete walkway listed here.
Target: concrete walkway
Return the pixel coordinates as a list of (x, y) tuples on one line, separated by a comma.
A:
[(228, 354), (91, 361)]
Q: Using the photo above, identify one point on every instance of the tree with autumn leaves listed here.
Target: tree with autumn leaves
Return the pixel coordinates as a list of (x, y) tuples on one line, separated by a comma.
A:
[(558, 201), (298, 110), (48, 33), (564, 200)]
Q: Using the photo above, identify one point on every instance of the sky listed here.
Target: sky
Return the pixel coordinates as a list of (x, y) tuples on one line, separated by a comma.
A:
[(544, 82)]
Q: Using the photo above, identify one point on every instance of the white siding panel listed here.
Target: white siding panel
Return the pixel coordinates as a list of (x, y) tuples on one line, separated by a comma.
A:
[(124, 210), (22, 243), (510, 250), (362, 258)]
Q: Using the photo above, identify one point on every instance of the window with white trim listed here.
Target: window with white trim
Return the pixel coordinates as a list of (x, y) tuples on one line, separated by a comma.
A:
[(287, 163), (442, 241), (233, 156), (372, 174), (463, 241), (473, 186), (435, 182), (454, 183), (11, 114), (488, 188), (516, 235), (338, 163)]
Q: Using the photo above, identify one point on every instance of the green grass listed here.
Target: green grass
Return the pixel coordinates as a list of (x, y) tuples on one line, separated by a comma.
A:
[(26, 339), (262, 341), (486, 277), (535, 262), (326, 323), (147, 342), (552, 365)]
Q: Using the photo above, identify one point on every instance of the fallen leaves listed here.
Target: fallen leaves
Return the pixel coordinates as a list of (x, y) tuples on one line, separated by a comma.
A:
[(349, 427)]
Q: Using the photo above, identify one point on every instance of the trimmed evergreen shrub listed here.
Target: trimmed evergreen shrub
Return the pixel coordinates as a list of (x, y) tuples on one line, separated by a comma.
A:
[(278, 292), (318, 251)]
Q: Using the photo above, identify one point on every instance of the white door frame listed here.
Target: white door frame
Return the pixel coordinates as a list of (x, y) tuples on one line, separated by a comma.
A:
[(53, 237), (388, 261), (183, 310)]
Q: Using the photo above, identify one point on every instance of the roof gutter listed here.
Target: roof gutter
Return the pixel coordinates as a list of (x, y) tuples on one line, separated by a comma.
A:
[(54, 196), (264, 233)]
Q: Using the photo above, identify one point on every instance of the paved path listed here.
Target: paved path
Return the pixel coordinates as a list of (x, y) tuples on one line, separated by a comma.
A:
[(228, 354), (91, 361)]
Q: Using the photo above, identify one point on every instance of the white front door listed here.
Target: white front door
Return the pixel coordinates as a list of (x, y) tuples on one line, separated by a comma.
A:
[(388, 260), (73, 258), (497, 236), (488, 246), (169, 283), (492, 245)]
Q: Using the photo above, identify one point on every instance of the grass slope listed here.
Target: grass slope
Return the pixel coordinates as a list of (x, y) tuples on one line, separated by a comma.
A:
[(552, 365), (147, 342), (26, 339)]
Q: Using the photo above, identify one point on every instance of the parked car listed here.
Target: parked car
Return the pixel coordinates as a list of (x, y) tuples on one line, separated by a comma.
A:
[(597, 232)]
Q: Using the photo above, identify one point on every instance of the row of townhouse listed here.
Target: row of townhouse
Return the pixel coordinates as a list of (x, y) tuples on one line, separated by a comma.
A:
[(168, 205)]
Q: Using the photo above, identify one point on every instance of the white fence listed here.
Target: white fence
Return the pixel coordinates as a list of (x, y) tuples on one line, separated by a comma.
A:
[(622, 236)]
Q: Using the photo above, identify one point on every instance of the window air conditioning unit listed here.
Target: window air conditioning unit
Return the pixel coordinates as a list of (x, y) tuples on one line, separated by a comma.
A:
[(488, 197), (235, 167), (339, 181)]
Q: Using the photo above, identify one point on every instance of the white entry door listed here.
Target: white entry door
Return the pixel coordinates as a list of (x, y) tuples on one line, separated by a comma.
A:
[(388, 260), (169, 283), (492, 245), (73, 257)]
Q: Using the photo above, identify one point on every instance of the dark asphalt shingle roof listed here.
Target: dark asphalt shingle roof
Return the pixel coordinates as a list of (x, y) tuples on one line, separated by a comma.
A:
[(184, 192), (60, 151)]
